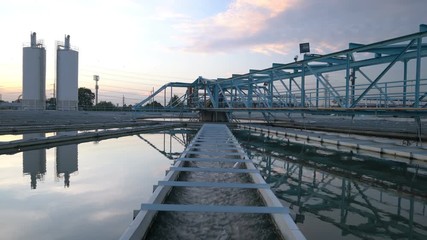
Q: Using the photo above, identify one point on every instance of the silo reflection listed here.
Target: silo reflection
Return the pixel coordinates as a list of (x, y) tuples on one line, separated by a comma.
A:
[(66, 159), (34, 161)]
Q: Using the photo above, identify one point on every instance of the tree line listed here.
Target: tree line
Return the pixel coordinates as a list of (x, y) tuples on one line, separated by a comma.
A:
[(86, 100)]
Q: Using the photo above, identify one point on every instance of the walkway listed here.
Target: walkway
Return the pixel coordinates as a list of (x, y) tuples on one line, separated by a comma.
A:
[(212, 178)]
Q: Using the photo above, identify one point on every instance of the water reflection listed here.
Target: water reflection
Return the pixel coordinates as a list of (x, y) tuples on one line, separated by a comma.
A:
[(181, 136), (89, 208), (34, 162), (343, 195), (66, 159)]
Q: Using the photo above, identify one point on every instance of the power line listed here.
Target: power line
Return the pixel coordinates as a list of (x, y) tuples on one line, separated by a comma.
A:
[(139, 77), (126, 81), (121, 88), (106, 70)]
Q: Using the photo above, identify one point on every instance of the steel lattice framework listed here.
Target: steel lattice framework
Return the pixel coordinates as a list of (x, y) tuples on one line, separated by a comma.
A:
[(385, 77)]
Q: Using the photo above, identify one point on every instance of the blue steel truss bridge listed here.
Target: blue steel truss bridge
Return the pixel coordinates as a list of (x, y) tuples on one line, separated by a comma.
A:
[(382, 78)]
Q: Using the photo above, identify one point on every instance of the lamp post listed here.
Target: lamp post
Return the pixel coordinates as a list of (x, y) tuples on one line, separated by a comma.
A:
[(96, 79)]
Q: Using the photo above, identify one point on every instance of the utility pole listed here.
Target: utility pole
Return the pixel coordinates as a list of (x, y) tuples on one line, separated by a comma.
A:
[(96, 79), (123, 104), (54, 90)]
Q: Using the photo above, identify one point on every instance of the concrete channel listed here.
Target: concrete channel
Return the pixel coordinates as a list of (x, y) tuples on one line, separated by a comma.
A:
[(356, 143), (207, 194), (27, 144)]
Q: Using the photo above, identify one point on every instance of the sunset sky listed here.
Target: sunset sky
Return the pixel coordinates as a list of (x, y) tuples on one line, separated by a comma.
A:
[(136, 46)]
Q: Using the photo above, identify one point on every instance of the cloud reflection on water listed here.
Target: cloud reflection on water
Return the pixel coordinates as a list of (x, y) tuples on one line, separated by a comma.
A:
[(108, 180)]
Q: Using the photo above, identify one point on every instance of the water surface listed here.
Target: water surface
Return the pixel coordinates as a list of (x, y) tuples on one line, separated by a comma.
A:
[(336, 195), (89, 190), (81, 191)]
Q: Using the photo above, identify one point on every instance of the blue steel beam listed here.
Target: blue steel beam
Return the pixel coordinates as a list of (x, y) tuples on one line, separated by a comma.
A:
[(382, 74), (334, 68), (326, 85), (388, 50), (341, 53), (172, 84), (385, 52)]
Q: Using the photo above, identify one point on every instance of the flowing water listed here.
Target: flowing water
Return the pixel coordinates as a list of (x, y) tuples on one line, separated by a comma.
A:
[(193, 225)]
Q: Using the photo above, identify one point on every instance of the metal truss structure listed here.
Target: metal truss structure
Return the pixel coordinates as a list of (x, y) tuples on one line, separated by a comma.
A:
[(385, 77), (170, 137)]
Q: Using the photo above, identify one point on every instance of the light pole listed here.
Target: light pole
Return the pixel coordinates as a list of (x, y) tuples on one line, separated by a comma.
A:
[(96, 79)]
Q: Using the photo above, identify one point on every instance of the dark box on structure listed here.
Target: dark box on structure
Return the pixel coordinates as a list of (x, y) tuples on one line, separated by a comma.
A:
[(304, 47)]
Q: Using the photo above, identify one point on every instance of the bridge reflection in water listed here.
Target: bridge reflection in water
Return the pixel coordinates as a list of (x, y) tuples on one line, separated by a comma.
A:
[(342, 195)]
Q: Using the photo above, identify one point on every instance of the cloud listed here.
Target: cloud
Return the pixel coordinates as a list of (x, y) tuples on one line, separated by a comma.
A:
[(269, 48), (241, 20), (164, 14), (246, 16), (278, 26)]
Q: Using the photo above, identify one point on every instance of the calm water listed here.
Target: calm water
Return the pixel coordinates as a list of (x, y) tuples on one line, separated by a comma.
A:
[(84, 191), (341, 195), (89, 190)]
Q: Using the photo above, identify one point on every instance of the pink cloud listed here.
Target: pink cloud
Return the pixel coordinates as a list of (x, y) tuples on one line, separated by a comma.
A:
[(242, 19), (274, 48)]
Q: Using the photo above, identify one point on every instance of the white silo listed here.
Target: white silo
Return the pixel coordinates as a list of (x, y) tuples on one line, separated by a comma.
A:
[(67, 67), (34, 75)]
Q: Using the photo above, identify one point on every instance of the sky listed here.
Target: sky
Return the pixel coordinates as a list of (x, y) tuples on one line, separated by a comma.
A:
[(137, 46)]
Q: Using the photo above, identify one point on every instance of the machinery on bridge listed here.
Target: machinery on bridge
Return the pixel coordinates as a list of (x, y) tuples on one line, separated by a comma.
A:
[(379, 78)]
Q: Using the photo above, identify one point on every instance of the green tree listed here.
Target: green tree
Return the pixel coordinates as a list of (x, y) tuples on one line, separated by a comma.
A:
[(51, 103), (127, 107), (86, 97), (153, 104), (106, 106)]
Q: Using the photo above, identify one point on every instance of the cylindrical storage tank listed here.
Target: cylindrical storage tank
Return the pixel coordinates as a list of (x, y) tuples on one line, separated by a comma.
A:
[(34, 77), (67, 79)]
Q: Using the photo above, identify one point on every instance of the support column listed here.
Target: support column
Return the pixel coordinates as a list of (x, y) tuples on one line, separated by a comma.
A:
[(353, 85), (405, 80), (164, 98), (418, 74), (303, 86), (215, 94), (270, 90), (290, 90), (317, 92), (171, 97), (347, 83), (250, 92)]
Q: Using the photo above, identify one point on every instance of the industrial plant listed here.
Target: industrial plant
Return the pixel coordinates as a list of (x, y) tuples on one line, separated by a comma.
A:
[(34, 76)]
